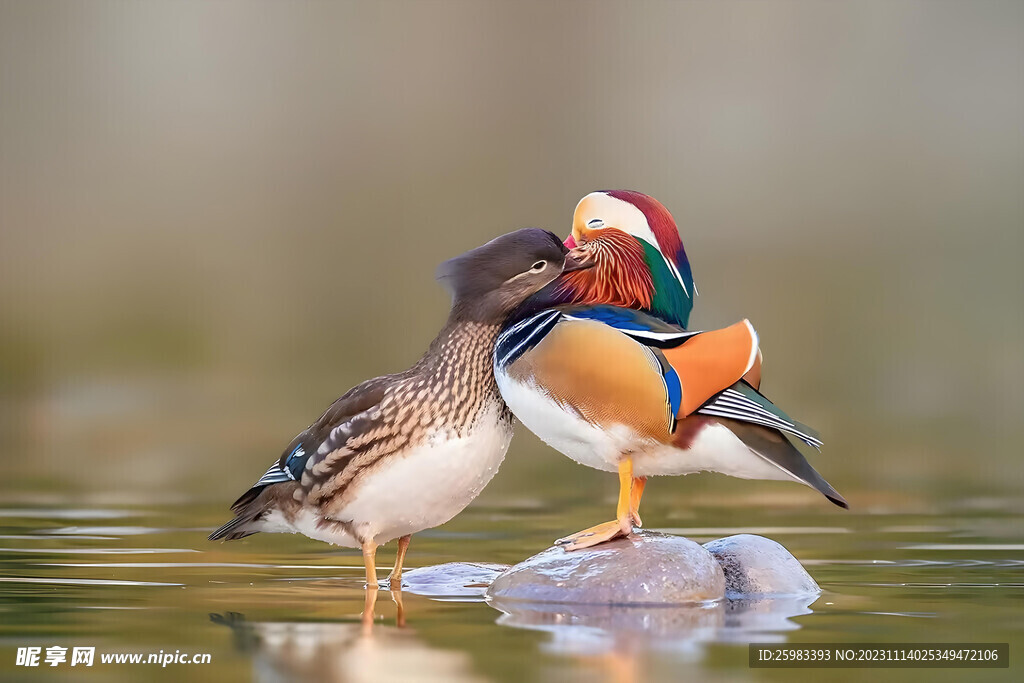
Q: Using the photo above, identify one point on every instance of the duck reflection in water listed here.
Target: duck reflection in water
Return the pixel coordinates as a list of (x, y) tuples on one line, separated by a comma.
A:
[(367, 649)]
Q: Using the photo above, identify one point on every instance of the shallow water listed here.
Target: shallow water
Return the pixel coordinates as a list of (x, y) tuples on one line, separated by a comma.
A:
[(272, 607)]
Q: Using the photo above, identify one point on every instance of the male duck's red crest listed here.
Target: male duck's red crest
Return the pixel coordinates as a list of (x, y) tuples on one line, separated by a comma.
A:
[(659, 220)]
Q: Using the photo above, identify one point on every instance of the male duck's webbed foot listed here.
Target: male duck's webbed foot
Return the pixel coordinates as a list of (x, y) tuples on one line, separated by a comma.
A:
[(599, 533), (631, 489)]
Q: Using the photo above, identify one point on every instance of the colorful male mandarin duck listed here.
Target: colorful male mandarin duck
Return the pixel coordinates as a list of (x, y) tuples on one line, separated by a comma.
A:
[(619, 389), (406, 452)]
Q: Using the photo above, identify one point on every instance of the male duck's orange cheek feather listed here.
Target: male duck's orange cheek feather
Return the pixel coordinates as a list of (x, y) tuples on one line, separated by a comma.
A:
[(620, 276)]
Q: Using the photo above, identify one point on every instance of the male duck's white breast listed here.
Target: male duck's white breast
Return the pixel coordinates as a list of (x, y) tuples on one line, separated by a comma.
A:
[(561, 428)]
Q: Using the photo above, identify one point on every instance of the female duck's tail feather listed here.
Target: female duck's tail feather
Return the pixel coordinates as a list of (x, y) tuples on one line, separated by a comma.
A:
[(249, 509), (233, 530)]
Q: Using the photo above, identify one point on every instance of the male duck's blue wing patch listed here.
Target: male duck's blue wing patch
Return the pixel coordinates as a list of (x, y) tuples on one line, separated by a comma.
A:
[(673, 387)]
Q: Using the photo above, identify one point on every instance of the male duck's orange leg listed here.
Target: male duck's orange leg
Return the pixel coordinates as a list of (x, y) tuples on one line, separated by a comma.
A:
[(395, 577), (625, 514), (636, 493)]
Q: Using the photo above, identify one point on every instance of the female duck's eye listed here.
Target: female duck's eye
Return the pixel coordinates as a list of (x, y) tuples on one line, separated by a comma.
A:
[(539, 266)]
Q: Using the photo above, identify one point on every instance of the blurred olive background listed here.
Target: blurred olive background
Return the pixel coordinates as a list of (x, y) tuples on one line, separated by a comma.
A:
[(216, 217)]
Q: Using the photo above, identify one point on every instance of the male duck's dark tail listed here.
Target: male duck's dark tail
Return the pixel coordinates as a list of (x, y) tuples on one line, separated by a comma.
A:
[(776, 448)]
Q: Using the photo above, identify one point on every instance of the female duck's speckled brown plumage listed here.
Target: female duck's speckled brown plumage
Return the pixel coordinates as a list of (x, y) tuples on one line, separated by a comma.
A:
[(444, 395)]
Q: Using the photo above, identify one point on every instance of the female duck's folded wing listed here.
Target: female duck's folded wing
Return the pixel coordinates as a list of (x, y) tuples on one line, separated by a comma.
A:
[(326, 439)]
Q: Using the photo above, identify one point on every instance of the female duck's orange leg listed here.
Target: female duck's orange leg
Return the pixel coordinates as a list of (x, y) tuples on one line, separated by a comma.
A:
[(395, 577), (625, 514), (369, 561)]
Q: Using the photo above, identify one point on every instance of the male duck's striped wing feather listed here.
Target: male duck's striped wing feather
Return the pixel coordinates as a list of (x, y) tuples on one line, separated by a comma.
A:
[(635, 324), (742, 402)]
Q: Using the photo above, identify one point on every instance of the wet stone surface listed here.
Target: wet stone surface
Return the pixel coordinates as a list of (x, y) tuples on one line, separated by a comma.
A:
[(757, 566), (646, 568)]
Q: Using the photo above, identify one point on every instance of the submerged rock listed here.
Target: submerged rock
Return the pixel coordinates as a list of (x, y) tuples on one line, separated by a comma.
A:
[(643, 569), (756, 566), (465, 580)]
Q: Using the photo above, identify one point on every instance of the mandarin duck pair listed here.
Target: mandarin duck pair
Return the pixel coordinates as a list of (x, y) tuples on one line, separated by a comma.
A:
[(586, 343)]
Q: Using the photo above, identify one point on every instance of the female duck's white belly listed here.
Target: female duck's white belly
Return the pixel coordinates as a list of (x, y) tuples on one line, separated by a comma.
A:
[(428, 485), (713, 449)]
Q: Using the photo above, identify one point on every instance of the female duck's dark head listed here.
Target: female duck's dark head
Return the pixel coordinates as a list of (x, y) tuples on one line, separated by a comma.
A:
[(489, 282)]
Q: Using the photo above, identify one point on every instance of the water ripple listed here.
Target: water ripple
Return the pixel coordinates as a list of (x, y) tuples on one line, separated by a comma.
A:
[(84, 582)]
